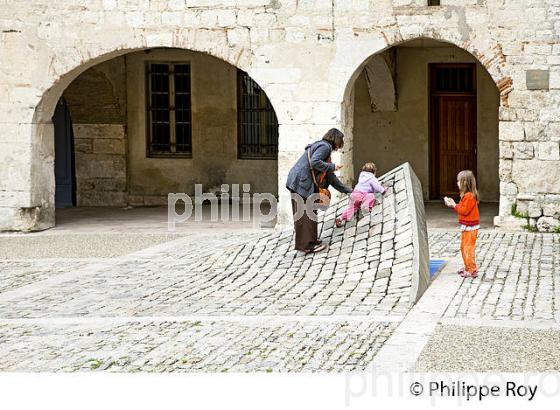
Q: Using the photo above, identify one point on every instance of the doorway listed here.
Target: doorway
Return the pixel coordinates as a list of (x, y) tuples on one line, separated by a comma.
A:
[(453, 125), (65, 177)]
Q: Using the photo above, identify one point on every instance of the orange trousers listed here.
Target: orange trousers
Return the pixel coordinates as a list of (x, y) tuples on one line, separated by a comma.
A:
[(468, 241)]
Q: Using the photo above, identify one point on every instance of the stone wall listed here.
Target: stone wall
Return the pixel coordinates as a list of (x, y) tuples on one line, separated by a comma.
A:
[(306, 54)]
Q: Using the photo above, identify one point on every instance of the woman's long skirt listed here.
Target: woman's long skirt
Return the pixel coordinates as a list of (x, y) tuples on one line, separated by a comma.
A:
[(305, 227)]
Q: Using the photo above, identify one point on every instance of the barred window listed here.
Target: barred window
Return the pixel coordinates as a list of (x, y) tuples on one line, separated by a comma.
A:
[(450, 78), (257, 122), (169, 109)]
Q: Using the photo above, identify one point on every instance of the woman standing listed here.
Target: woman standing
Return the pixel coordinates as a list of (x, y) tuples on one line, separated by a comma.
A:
[(302, 183)]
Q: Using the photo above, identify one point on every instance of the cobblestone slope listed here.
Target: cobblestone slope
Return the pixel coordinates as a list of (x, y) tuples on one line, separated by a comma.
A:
[(390, 244), (372, 265)]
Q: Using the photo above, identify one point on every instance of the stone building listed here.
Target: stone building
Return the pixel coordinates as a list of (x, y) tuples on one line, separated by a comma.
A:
[(119, 102)]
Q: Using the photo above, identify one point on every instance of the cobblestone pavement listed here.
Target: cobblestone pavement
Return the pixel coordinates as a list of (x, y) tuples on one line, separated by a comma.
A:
[(18, 273), (241, 279), (519, 276), (206, 276), (168, 308), (166, 346), (366, 270), (444, 244)]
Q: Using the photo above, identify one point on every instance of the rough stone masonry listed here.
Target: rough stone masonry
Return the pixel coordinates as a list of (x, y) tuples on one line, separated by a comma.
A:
[(306, 55)]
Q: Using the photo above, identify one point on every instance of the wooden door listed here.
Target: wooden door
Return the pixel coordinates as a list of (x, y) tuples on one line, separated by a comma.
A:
[(452, 126)]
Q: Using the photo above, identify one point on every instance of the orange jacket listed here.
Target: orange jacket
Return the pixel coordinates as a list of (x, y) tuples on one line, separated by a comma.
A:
[(467, 210)]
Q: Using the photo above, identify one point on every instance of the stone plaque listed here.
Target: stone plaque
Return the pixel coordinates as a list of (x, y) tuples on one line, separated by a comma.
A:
[(536, 79)]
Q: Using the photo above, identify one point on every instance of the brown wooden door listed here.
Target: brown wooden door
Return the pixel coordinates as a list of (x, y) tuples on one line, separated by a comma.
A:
[(453, 128)]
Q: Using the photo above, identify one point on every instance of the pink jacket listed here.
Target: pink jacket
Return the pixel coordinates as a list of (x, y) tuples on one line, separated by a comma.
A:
[(367, 183)]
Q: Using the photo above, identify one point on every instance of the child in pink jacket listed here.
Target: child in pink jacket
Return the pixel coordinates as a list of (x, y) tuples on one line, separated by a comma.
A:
[(363, 193)]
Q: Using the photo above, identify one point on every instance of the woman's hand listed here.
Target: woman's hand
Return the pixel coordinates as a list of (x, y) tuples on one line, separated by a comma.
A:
[(337, 167)]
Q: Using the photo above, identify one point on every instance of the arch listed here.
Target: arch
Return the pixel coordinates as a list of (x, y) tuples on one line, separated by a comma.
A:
[(490, 57), (80, 61), (69, 64), (492, 61)]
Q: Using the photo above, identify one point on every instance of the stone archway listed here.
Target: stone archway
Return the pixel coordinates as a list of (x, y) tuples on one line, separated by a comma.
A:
[(492, 65), (64, 69)]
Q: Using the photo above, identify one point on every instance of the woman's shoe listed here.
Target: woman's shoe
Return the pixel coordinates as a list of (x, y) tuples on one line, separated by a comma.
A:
[(314, 249)]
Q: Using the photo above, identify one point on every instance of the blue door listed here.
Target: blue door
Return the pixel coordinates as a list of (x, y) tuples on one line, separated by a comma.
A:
[(65, 193)]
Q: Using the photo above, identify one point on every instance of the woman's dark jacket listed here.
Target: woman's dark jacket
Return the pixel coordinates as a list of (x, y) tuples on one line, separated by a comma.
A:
[(299, 178)]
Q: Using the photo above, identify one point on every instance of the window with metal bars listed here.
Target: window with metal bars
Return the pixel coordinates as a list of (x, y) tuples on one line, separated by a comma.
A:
[(169, 109), (453, 78), (257, 122)]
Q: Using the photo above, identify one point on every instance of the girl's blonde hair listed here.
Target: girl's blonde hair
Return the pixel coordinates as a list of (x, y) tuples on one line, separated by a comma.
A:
[(467, 183), (369, 167)]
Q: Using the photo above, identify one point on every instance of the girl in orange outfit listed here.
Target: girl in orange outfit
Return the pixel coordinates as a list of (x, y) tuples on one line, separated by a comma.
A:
[(467, 211)]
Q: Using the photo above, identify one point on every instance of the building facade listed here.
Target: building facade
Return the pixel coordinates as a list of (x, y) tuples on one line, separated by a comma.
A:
[(119, 102)]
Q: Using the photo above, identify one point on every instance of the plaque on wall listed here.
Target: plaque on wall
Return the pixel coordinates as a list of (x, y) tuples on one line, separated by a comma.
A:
[(536, 79)]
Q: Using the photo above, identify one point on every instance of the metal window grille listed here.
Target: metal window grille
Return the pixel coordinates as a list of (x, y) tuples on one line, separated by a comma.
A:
[(454, 79), (257, 121), (169, 109)]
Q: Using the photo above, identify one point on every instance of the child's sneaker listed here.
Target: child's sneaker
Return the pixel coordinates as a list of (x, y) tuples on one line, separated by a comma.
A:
[(461, 272), (472, 275), (338, 222)]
